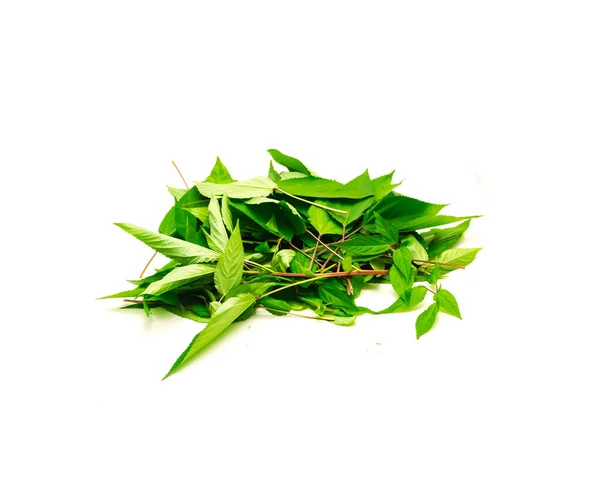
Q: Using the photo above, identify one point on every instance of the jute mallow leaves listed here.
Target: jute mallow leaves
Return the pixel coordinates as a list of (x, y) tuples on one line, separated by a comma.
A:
[(293, 241)]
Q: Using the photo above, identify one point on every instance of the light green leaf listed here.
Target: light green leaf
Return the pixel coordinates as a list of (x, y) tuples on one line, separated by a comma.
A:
[(364, 246), (426, 320), (218, 233), (362, 183), (314, 187), (253, 188), (200, 212), (167, 225), (219, 174), (287, 175), (347, 264), (344, 321), (282, 259), (273, 174), (226, 314), (177, 192), (226, 213), (447, 303), (179, 250), (231, 264), (415, 248), (178, 277), (292, 164), (458, 256), (322, 221)]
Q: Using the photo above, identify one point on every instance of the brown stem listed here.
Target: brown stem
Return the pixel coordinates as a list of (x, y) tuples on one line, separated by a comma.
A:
[(148, 264), (180, 175)]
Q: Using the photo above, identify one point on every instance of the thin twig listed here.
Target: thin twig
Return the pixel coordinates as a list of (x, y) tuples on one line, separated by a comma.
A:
[(323, 244), (148, 264), (184, 182), (312, 260)]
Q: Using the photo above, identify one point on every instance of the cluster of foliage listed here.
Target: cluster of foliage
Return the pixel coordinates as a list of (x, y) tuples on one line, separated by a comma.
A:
[(294, 241)]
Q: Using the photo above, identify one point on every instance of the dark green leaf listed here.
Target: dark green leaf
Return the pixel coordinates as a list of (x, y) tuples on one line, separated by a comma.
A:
[(439, 240), (364, 245), (131, 293), (354, 209), (417, 223), (278, 307), (416, 297), (386, 229), (398, 207), (426, 320)]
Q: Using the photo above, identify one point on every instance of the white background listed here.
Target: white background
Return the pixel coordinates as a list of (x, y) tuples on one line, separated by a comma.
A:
[(491, 106)]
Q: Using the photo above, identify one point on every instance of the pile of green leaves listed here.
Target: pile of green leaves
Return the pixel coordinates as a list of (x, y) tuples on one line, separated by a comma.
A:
[(294, 241)]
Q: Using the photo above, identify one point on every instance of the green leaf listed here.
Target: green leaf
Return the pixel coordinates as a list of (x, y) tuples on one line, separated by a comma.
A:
[(386, 229), (354, 208), (435, 274), (179, 250), (186, 223), (322, 221), (439, 240), (401, 284), (218, 233), (178, 277), (447, 303), (278, 307), (292, 164), (397, 207), (273, 175), (300, 264), (347, 264), (414, 224), (403, 261), (167, 225), (362, 183), (383, 185), (415, 248), (282, 259), (253, 188), (226, 314), (344, 320), (231, 264), (281, 219), (177, 192), (226, 213), (200, 212), (364, 246), (264, 248), (183, 312), (219, 174), (314, 187), (426, 320), (334, 293), (146, 307), (458, 256), (417, 295), (131, 293)]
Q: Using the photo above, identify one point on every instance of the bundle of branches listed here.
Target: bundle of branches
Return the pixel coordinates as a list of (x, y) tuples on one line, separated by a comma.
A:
[(292, 242)]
